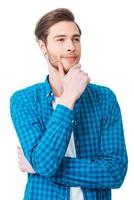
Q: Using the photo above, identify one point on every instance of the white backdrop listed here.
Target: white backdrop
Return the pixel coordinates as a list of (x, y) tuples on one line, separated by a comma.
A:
[(107, 55)]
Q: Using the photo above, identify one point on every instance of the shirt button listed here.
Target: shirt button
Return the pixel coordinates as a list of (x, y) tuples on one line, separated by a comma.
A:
[(74, 122), (77, 142)]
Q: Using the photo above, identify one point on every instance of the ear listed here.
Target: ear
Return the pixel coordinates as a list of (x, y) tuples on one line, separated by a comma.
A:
[(42, 46)]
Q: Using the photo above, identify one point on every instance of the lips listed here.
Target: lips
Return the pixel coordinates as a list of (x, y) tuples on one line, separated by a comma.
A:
[(69, 57)]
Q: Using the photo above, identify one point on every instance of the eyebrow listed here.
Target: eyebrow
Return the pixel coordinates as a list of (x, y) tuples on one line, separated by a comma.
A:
[(59, 36)]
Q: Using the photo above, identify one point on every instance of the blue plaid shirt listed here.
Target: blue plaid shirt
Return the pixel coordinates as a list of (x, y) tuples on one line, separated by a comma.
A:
[(44, 134)]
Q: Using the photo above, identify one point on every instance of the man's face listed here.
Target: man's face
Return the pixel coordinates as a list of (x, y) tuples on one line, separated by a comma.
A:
[(63, 44)]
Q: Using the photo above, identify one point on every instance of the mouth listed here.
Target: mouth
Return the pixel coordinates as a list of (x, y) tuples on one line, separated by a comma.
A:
[(70, 58)]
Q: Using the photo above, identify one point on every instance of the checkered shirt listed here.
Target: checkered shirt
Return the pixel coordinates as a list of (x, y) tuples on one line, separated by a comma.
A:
[(44, 134)]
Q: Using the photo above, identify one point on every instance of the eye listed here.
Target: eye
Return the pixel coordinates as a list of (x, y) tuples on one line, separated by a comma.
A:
[(60, 40), (77, 39)]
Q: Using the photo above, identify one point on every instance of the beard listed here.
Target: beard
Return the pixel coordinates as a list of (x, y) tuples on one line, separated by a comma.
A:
[(53, 60)]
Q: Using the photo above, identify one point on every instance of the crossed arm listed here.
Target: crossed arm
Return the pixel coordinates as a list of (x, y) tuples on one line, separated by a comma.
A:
[(84, 176), (107, 171)]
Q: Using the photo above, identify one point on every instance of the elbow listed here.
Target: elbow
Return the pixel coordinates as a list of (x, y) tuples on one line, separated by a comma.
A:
[(117, 183), (120, 176), (45, 168)]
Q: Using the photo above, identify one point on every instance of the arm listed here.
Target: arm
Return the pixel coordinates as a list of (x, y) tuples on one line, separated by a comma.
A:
[(107, 171), (44, 149), (109, 168)]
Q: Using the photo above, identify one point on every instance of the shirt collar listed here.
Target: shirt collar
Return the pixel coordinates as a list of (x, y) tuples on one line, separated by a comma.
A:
[(48, 88)]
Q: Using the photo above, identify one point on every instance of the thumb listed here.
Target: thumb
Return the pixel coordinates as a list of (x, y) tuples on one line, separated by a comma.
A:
[(61, 70)]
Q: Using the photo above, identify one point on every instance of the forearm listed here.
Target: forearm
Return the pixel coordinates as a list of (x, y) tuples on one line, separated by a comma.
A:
[(100, 174), (48, 154)]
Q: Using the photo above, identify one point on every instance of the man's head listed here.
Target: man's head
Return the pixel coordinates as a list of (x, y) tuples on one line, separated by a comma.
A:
[(58, 36)]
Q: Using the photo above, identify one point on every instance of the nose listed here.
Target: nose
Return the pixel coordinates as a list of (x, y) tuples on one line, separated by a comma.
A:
[(70, 45)]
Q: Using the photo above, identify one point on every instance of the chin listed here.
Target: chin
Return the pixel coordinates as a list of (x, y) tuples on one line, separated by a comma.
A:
[(68, 66)]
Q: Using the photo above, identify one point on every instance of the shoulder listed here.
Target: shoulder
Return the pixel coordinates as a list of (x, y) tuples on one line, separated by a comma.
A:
[(28, 94), (100, 93), (103, 98)]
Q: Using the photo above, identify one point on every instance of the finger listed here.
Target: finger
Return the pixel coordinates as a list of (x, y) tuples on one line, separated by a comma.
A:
[(20, 152), (77, 66), (22, 168), (18, 148), (85, 80), (61, 70)]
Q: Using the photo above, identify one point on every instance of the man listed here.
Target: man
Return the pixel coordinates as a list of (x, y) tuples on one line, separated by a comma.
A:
[(70, 130)]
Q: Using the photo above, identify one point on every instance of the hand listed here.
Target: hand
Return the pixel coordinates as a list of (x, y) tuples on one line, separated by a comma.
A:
[(74, 83), (24, 164)]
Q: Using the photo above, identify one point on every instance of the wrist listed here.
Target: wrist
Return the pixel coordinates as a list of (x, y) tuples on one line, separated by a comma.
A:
[(67, 101)]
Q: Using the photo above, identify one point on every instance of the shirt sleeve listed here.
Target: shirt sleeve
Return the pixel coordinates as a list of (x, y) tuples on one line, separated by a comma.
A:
[(109, 168), (44, 149)]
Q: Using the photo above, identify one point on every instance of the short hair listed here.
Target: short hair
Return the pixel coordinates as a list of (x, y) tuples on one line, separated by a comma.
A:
[(51, 18)]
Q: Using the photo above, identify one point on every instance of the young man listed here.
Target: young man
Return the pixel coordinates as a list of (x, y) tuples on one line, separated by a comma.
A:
[(70, 130)]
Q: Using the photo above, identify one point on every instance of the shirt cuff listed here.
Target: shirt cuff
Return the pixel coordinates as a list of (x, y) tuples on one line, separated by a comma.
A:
[(63, 115)]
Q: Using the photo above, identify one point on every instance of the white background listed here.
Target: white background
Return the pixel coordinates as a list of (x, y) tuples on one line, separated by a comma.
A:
[(107, 55)]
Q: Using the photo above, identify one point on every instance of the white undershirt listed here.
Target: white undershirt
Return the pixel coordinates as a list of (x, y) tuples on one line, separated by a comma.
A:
[(75, 192)]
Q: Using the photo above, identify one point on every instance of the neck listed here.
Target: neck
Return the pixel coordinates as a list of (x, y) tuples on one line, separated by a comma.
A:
[(56, 84)]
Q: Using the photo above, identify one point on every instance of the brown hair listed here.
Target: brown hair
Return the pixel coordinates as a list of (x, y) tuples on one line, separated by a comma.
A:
[(51, 18)]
